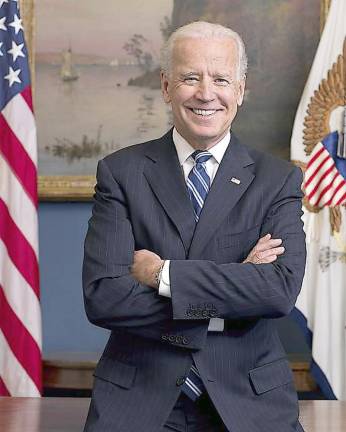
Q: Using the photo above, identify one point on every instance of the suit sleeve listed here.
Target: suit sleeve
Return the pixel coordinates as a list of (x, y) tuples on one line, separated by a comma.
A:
[(113, 298), (239, 291)]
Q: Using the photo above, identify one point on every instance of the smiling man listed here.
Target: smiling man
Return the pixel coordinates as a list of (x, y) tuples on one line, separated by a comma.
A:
[(184, 261), (204, 87)]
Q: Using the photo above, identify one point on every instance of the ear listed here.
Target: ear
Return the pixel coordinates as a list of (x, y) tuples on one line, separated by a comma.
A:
[(241, 90), (165, 87)]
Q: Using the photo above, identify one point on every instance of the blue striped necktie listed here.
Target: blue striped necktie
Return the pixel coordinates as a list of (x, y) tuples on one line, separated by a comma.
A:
[(198, 184), (198, 181)]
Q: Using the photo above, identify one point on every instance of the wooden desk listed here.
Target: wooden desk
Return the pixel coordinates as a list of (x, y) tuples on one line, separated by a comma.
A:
[(68, 415), (43, 414), (69, 370), (73, 370)]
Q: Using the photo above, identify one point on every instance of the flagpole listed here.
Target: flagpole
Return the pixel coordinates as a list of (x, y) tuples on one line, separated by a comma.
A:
[(325, 5)]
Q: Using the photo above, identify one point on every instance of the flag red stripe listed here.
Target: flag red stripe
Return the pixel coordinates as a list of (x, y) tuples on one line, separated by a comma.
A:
[(18, 159), (326, 189), (3, 389), (315, 156), (20, 341), (341, 199), (320, 180), (309, 180), (27, 95), (334, 193), (19, 249)]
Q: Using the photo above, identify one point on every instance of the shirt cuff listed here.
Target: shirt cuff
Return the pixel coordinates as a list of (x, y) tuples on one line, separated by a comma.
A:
[(165, 284), (215, 324)]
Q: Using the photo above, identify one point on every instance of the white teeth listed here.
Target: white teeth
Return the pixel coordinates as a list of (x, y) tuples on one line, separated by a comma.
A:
[(203, 112)]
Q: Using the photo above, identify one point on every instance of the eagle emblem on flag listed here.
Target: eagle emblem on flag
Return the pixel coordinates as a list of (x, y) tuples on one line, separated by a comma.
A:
[(324, 137)]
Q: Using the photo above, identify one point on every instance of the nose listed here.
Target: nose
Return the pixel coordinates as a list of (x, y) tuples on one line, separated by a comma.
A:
[(205, 91)]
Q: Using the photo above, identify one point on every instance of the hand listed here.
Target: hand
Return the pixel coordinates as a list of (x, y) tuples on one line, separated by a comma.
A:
[(145, 266), (266, 251)]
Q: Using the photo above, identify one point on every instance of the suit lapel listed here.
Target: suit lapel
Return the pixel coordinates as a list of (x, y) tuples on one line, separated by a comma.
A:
[(166, 179), (224, 193)]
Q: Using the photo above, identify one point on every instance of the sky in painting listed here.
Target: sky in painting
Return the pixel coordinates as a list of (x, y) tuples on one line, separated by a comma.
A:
[(98, 28)]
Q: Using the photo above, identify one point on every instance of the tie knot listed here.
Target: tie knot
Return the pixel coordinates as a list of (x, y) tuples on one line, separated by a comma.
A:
[(201, 156)]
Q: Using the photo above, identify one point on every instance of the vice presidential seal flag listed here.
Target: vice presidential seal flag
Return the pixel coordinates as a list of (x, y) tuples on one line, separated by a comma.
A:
[(20, 316), (319, 146)]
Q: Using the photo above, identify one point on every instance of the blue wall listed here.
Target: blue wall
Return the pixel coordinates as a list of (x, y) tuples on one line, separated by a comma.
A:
[(65, 326), (62, 228)]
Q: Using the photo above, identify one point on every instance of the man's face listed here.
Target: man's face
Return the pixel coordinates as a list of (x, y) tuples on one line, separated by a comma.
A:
[(203, 89)]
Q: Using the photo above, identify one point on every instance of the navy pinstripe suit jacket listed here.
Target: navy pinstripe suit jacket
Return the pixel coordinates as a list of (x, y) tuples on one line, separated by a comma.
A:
[(141, 202)]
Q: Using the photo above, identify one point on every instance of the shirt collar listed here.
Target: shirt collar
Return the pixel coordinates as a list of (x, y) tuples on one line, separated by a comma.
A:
[(185, 150)]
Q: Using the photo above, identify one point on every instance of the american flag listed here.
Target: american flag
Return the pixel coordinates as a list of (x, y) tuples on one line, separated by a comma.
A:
[(20, 315), (325, 175)]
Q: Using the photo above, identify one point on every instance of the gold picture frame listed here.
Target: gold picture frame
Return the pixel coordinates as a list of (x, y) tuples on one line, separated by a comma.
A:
[(77, 188)]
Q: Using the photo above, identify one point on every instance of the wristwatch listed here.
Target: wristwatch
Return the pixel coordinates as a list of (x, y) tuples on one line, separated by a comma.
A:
[(158, 274)]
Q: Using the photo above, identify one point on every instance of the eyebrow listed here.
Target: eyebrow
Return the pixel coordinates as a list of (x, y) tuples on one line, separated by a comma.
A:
[(222, 75), (187, 74)]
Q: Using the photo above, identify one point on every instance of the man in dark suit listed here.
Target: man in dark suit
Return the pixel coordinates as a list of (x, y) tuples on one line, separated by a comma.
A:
[(183, 261)]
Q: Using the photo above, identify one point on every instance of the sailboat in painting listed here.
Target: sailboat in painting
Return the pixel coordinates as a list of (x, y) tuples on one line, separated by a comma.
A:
[(68, 72)]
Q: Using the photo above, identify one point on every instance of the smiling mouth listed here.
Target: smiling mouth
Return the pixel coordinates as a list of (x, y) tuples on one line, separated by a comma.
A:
[(203, 112)]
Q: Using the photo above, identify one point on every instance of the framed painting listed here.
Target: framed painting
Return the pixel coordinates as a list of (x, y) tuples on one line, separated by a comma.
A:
[(96, 76)]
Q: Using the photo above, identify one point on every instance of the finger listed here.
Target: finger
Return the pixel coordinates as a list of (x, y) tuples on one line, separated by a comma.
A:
[(269, 244), (269, 259), (278, 251), (264, 238), (272, 243), (275, 242), (268, 238), (274, 251)]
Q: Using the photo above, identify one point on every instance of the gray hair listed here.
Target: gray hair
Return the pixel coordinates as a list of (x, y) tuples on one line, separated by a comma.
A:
[(205, 30)]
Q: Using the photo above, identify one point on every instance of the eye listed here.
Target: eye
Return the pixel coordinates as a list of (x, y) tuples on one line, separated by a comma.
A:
[(222, 81), (190, 80)]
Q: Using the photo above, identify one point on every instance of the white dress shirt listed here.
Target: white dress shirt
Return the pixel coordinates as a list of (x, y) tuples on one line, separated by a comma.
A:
[(184, 151)]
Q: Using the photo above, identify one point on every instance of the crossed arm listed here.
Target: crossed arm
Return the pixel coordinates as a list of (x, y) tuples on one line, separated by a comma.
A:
[(147, 264)]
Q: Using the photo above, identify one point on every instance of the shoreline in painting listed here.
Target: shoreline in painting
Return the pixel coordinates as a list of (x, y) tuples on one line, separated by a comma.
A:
[(98, 113)]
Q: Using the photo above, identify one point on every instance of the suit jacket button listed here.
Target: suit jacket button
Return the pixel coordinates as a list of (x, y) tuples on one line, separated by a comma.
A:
[(171, 338), (180, 381), (185, 341), (179, 339), (164, 336)]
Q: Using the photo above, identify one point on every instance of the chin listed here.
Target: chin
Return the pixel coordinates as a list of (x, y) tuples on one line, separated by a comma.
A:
[(205, 135)]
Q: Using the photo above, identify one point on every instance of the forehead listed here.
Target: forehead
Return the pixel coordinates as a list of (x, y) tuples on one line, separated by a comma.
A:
[(219, 53)]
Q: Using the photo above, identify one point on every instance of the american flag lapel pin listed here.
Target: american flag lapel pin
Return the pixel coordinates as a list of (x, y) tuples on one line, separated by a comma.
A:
[(235, 180)]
